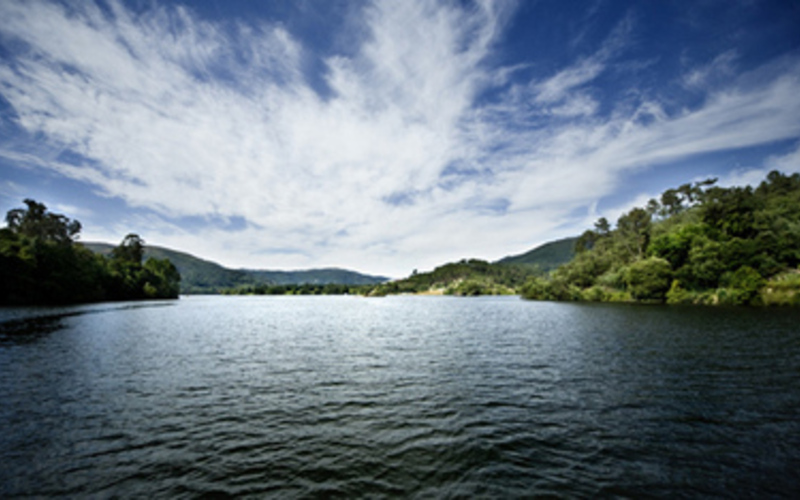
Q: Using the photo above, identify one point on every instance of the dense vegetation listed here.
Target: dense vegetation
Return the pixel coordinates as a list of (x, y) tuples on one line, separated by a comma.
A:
[(325, 276), (40, 263), (197, 275), (297, 289), (465, 278), (699, 244)]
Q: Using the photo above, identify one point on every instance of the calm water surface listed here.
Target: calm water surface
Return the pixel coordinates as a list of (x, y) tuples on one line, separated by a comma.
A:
[(437, 397)]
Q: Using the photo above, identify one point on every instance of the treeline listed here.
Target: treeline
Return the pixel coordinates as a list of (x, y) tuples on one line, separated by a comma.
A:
[(699, 244), (40, 263), (300, 289), (465, 278)]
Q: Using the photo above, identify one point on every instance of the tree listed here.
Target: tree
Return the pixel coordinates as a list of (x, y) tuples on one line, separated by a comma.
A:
[(649, 279), (716, 245), (39, 264), (585, 241), (671, 203), (633, 230), (161, 279), (130, 250), (653, 207), (602, 227), (746, 283), (731, 211), (36, 222), (675, 245)]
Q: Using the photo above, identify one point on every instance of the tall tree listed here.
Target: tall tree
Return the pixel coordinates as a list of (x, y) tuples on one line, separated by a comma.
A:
[(36, 222), (634, 231), (131, 250), (602, 227)]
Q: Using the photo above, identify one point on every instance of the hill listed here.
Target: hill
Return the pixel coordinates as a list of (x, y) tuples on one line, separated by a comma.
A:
[(697, 244), (202, 276), (323, 276), (41, 264), (547, 257), (466, 277), (478, 277)]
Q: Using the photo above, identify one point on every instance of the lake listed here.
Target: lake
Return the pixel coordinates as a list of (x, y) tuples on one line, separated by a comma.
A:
[(435, 397)]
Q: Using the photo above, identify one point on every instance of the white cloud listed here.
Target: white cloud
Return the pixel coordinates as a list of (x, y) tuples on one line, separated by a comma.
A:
[(788, 164), (73, 211), (722, 66), (400, 167), (558, 87)]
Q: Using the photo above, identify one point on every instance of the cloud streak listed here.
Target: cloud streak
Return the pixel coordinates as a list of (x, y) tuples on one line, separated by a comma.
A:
[(403, 163)]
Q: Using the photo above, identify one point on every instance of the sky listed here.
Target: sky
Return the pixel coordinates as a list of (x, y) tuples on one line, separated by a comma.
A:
[(389, 135)]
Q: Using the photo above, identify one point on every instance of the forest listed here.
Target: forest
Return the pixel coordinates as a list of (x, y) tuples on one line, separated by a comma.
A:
[(42, 263), (467, 277), (697, 244)]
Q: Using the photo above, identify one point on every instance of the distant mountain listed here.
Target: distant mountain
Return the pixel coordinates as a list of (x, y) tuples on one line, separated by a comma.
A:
[(202, 276), (324, 276), (478, 277), (547, 257)]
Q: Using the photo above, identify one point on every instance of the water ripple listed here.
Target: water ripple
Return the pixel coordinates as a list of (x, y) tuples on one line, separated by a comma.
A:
[(445, 398)]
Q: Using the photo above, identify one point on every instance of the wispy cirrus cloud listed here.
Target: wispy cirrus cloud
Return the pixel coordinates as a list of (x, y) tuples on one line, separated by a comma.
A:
[(722, 66), (401, 163)]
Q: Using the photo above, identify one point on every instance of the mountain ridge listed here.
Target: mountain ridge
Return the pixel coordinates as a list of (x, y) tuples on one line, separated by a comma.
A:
[(204, 276), (200, 275), (546, 256)]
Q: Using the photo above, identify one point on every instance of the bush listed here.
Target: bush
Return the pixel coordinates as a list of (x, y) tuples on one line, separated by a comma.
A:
[(595, 294), (536, 288), (782, 290), (619, 296), (649, 279), (742, 286), (678, 295), (613, 279)]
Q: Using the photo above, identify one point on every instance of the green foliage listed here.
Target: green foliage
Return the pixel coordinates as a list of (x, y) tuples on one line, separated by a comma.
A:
[(466, 277), (40, 264), (296, 289), (37, 223), (131, 250), (161, 279), (545, 257), (586, 241), (731, 211), (700, 244), (633, 232), (783, 289), (679, 295), (595, 294), (674, 246), (704, 265), (538, 288), (585, 268), (475, 287), (747, 283), (649, 279)]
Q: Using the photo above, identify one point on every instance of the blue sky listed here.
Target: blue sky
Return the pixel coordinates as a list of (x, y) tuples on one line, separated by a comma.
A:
[(385, 136)]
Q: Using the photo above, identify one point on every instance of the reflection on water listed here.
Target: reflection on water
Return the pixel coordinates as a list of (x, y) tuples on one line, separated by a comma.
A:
[(25, 324), (402, 396), (29, 328)]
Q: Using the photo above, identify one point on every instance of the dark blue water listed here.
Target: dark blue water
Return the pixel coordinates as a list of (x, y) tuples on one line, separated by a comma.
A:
[(295, 397)]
